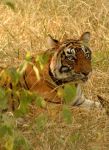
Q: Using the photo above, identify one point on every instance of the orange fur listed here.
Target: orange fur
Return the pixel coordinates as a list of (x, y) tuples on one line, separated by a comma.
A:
[(45, 87)]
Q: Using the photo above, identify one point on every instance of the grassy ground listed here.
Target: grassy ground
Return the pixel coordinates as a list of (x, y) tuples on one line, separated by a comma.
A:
[(24, 26)]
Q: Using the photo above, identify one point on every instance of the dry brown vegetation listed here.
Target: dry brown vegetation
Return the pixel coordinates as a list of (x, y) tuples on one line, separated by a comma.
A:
[(24, 26)]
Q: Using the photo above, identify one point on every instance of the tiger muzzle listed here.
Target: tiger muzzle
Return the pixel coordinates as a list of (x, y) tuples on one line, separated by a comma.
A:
[(85, 75)]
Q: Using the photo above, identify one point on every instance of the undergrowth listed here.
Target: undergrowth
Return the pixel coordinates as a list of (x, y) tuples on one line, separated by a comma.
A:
[(24, 26)]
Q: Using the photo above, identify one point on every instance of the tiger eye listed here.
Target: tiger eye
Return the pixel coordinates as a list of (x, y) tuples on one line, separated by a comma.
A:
[(64, 69)]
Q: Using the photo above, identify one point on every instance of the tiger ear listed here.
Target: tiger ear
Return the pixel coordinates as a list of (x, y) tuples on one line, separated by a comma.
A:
[(52, 42), (85, 37)]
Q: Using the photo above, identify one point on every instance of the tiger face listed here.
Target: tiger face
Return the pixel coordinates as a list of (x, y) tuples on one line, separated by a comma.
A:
[(71, 60)]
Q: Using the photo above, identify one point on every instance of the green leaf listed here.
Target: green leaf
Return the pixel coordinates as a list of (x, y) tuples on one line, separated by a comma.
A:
[(41, 121), (3, 99), (28, 56), (20, 142), (9, 143), (5, 130), (67, 114), (22, 67), (60, 92), (42, 59), (9, 120), (15, 76), (40, 101), (25, 99), (69, 93)]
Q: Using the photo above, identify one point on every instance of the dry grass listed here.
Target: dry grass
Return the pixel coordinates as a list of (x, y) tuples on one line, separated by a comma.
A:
[(25, 25)]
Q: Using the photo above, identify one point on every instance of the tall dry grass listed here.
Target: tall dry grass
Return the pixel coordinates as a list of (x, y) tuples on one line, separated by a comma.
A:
[(24, 26)]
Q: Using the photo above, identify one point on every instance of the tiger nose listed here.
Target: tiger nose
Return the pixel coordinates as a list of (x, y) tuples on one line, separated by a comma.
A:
[(86, 71)]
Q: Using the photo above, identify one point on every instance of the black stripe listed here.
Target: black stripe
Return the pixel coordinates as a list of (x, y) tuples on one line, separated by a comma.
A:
[(57, 81), (24, 77)]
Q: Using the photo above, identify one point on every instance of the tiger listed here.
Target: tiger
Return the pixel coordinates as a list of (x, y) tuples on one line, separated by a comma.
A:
[(68, 62)]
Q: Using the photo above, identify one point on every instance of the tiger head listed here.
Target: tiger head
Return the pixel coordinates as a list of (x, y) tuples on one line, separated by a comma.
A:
[(71, 61)]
